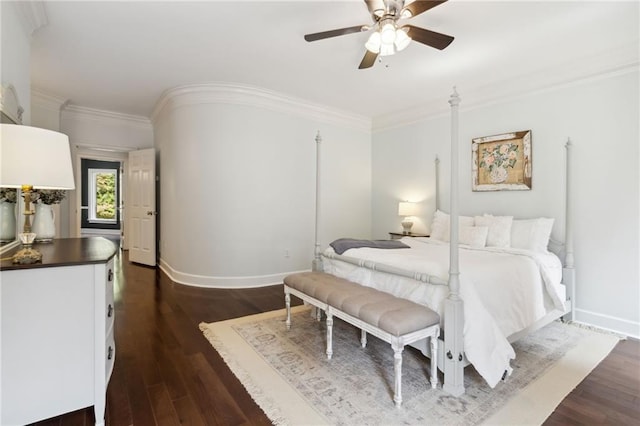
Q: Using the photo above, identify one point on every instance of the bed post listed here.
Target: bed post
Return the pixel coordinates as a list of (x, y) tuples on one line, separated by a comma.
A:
[(453, 315), (317, 259), (568, 272), (437, 183)]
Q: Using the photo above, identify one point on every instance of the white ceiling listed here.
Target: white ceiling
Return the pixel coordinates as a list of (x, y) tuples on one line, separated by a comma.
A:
[(121, 56)]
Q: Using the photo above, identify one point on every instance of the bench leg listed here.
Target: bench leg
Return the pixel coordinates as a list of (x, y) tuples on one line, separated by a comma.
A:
[(287, 302), (363, 338), (329, 333), (434, 360), (397, 366)]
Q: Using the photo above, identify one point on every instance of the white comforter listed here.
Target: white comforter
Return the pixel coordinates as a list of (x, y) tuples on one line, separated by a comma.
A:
[(504, 291)]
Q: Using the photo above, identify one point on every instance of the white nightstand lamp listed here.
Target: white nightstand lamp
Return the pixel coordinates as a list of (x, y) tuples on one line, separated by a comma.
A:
[(408, 210), (33, 158)]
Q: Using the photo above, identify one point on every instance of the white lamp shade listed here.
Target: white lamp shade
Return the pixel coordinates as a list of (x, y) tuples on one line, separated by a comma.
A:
[(373, 44), (387, 49), (406, 208), (33, 156), (402, 40), (388, 33)]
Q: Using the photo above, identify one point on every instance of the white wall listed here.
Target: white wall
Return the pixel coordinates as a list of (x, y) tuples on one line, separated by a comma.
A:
[(15, 56), (95, 134), (45, 113), (237, 178), (92, 128), (601, 118), (14, 70), (101, 135)]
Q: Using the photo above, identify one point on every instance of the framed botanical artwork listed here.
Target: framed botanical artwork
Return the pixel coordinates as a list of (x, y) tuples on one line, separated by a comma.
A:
[(502, 162)]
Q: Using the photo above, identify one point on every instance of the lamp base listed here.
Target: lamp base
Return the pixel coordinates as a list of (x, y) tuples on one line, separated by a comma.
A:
[(27, 255), (406, 227)]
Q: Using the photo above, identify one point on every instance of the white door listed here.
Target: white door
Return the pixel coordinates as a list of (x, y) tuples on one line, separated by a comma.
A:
[(142, 206)]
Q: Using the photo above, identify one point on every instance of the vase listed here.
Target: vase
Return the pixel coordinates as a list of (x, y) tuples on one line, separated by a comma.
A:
[(498, 175), (44, 223), (7, 221)]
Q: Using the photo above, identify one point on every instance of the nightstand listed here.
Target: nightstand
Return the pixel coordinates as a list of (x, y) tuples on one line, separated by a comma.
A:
[(398, 235)]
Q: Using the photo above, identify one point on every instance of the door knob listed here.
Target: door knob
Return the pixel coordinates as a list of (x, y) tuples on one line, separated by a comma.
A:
[(149, 213)]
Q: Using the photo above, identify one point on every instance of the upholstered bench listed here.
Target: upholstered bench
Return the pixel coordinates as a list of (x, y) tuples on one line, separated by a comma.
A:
[(395, 320)]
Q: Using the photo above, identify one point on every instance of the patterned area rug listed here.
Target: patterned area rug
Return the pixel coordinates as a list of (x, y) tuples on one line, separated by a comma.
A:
[(288, 375)]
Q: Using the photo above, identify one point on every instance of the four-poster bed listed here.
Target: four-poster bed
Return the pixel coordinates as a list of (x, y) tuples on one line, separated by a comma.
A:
[(539, 295)]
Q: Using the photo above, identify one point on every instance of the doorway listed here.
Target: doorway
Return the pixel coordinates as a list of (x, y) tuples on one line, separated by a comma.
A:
[(101, 199)]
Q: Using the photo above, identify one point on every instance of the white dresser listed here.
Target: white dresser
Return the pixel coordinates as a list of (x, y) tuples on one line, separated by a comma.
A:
[(57, 347)]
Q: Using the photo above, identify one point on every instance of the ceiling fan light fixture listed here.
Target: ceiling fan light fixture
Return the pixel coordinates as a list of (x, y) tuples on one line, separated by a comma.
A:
[(374, 42), (388, 33), (387, 49), (402, 40)]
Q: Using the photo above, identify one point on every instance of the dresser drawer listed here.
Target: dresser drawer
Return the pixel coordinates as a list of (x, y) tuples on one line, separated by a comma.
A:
[(108, 298), (110, 355)]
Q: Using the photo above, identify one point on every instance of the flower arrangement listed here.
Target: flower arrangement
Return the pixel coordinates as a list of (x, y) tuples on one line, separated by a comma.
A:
[(48, 196), (8, 194), (497, 159)]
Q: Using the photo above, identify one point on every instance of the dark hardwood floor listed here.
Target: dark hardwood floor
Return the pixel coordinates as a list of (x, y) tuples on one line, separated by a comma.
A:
[(166, 373)]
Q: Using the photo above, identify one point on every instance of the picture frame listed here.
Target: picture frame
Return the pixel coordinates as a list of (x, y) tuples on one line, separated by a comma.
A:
[(502, 162)]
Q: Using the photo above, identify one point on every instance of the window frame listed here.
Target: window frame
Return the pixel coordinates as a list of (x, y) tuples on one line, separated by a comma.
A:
[(92, 201)]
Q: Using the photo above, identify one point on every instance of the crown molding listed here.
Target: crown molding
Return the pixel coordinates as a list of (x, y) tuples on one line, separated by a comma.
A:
[(615, 62), (32, 14), (93, 114), (237, 94), (41, 99)]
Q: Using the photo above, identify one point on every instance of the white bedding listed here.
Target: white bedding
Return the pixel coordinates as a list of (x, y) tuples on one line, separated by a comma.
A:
[(504, 291)]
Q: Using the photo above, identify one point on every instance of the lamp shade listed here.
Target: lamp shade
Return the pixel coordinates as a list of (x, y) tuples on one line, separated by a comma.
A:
[(402, 40), (406, 208), (33, 156), (373, 44)]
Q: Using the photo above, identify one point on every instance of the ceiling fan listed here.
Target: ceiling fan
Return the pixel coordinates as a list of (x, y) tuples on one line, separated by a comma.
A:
[(389, 37)]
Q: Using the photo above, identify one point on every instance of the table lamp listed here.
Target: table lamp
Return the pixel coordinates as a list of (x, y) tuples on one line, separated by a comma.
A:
[(407, 209), (33, 158)]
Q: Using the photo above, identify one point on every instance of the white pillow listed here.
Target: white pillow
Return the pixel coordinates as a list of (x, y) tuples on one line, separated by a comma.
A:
[(440, 226), (474, 236), (531, 234), (463, 221), (499, 229)]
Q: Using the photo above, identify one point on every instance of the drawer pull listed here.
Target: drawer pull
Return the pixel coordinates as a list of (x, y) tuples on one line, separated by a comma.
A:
[(110, 353), (109, 310), (110, 275)]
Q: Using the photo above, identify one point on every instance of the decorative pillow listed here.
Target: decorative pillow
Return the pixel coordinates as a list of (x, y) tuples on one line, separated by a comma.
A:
[(463, 221), (499, 229), (440, 228), (474, 236), (531, 234)]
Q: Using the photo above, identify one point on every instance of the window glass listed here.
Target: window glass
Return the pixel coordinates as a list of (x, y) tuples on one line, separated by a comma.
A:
[(102, 195)]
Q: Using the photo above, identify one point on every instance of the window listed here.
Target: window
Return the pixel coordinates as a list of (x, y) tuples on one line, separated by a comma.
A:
[(103, 197)]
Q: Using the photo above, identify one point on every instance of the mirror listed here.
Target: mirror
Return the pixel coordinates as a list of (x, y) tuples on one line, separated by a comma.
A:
[(10, 112)]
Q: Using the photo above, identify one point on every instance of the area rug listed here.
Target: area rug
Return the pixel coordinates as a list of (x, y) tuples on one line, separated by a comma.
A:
[(287, 373)]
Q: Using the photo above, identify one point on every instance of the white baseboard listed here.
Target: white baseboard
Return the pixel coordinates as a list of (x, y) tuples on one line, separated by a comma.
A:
[(223, 282), (607, 322)]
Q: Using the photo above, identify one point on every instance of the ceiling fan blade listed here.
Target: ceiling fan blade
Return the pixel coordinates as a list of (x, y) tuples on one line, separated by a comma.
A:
[(368, 60), (335, 33), (420, 6), (430, 38)]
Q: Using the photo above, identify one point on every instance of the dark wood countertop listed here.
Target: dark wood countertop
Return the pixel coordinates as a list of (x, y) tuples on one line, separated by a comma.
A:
[(66, 252)]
